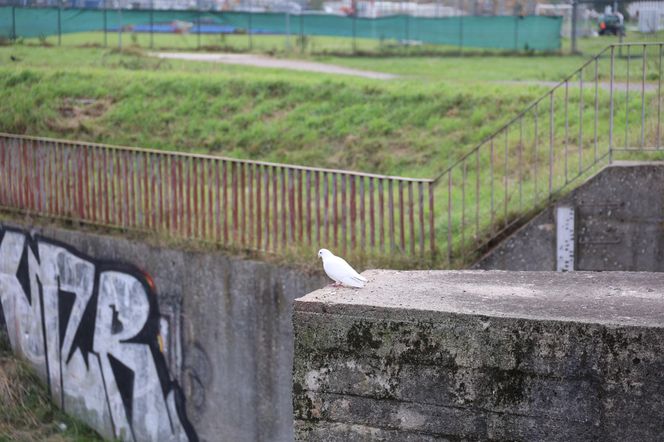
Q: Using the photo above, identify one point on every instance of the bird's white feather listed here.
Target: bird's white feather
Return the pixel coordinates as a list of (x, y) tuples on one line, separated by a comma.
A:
[(340, 271)]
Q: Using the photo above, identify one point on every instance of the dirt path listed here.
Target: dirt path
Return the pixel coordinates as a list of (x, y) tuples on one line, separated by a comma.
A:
[(275, 63)]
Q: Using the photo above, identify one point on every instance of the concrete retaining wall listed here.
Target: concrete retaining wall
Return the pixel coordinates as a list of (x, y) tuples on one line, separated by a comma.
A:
[(73, 299), (619, 225), (432, 356)]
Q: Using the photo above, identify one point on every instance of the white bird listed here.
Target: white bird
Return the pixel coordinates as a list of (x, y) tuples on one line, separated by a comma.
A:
[(339, 270)]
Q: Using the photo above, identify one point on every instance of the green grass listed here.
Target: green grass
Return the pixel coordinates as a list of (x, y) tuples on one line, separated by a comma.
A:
[(26, 413), (402, 127)]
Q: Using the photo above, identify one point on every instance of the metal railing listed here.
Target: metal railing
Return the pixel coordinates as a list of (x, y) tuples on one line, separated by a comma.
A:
[(611, 106), (243, 204)]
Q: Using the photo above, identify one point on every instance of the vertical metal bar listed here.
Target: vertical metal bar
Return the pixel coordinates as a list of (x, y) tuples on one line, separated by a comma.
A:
[(477, 194), (317, 188), (175, 196), (420, 194), (372, 215), (390, 209), (612, 74), (250, 221), (536, 153), (160, 183), (4, 175), (520, 163), (492, 187), (259, 213), (242, 193), (228, 211), (627, 99), (157, 196), (291, 206), (506, 199), (284, 225), (125, 187), (566, 128), (643, 97), (551, 132), (108, 164), (300, 211), (235, 203), (363, 223), (580, 146), (268, 219), (449, 217), (432, 230), (344, 213), (308, 197), (596, 108), (218, 195), (181, 197), (132, 188), (353, 215), (210, 224), (194, 218), (463, 208), (189, 218), (411, 216), (335, 220), (659, 97), (326, 207), (402, 215), (148, 196), (381, 214)]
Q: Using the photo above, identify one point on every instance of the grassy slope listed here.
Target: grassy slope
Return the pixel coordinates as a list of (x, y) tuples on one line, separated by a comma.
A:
[(26, 413), (406, 127)]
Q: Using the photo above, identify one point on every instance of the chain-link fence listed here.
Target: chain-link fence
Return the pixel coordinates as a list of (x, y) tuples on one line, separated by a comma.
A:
[(190, 29)]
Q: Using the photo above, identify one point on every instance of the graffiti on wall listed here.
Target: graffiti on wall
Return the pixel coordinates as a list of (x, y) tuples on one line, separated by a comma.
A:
[(91, 329)]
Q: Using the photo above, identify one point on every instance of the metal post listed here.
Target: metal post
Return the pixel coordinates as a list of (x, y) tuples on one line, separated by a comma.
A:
[(120, 28), (574, 13), (516, 33), (105, 26), (198, 25), (354, 32), (251, 41), (60, 23), (152, 24), (13, 36), (287, 39), (301, 32), (460, 27)]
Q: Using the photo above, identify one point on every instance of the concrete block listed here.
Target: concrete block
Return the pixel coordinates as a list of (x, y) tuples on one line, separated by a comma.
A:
[(474, 355)]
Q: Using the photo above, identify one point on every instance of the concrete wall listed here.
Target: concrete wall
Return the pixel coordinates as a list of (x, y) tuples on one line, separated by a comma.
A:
[(440, 356), (619, 225), (92, 313)]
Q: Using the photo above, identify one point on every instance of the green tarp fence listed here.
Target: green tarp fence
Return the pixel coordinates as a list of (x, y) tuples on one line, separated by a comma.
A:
[(501, 32)]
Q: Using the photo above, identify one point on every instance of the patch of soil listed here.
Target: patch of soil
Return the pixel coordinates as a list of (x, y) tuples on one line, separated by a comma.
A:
[(74, 113)]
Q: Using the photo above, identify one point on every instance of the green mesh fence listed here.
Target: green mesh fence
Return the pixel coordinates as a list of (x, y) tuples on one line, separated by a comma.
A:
[(514, 33)]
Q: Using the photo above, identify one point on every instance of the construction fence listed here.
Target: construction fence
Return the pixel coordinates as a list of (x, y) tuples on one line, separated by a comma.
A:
[(514, 33)]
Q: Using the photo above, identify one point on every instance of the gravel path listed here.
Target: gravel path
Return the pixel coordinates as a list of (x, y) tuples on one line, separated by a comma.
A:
[(268, 62)]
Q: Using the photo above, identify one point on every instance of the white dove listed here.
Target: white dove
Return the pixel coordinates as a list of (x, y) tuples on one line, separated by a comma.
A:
[(339, 270)]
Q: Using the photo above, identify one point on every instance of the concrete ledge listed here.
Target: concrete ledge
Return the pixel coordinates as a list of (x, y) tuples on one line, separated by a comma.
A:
[(482, 356)]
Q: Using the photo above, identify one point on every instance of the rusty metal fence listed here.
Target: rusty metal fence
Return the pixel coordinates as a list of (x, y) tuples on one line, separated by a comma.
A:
[(244, 204), (610, 108)]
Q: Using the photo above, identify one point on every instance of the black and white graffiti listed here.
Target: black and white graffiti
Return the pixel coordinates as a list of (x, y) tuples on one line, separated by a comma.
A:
[(91, 329)]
